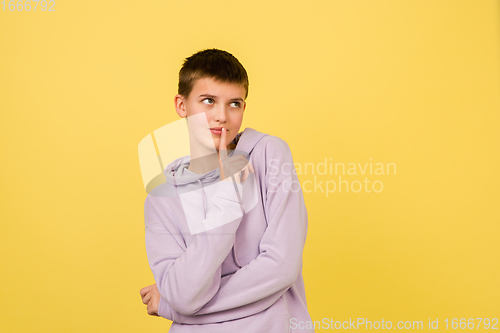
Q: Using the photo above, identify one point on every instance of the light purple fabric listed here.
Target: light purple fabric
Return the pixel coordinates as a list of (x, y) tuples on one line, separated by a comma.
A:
[(243, 276)]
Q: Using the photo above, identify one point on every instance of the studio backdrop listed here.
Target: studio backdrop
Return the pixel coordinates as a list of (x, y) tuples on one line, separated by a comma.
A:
[(391, 109)]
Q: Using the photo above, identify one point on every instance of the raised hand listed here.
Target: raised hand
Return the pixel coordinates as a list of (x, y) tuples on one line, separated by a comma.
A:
[(234, 165)]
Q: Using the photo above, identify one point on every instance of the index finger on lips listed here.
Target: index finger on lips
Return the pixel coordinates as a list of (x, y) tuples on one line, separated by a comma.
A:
[(222, 151), (222, 144)]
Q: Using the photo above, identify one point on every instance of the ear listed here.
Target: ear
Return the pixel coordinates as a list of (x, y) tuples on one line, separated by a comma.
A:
[(180, 105), (244, 106)]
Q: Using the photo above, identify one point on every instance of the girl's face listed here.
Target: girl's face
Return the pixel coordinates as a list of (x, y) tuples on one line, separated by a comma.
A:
[(222, 104)]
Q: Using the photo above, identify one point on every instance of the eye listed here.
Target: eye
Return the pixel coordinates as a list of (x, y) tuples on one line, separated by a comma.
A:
[(208, 101), (236, 104)]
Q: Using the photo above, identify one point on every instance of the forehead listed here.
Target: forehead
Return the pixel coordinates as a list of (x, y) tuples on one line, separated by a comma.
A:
[(210, 86)]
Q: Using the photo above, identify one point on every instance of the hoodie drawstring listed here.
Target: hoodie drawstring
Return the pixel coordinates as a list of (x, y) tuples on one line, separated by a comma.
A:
[(175, 183)]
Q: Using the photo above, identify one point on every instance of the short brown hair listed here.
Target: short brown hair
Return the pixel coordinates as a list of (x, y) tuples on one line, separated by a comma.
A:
[(217, 64)]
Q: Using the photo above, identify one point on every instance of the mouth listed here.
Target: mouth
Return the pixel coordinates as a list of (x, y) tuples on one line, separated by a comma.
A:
[(217, 130)]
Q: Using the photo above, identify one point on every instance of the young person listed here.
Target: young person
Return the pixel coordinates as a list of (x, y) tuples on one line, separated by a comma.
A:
[(225, 233)]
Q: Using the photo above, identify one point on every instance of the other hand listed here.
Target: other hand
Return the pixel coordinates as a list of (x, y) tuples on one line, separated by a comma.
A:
[(151, 296)]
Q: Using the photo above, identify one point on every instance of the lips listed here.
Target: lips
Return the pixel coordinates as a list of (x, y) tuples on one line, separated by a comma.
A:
[(216, 130)]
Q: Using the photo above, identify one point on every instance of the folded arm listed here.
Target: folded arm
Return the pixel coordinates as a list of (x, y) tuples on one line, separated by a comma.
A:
[(187, 278)]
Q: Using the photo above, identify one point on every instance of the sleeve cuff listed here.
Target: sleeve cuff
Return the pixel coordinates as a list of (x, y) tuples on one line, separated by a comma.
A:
[(164, 310)]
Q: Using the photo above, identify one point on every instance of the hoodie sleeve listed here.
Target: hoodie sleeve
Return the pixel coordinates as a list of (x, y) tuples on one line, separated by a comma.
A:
[(188, 277), (258, 285)]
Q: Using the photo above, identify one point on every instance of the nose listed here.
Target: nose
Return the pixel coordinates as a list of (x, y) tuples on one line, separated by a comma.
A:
[(220, 114)]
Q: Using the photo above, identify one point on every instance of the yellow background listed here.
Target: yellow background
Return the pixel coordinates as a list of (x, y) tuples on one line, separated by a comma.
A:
[(415, 83)]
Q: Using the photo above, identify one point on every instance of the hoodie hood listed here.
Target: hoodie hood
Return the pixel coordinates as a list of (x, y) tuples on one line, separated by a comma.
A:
[(177, 173)]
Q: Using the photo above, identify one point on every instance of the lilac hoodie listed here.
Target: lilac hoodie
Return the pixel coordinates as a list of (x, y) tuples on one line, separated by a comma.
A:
[(240, 275)]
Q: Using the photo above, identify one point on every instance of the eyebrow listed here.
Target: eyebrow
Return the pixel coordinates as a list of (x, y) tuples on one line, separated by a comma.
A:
[(215, 97)]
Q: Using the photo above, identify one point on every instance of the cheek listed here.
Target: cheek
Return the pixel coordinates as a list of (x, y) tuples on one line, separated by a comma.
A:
[(237, 118), (198, 121), (208, 115), (193, 108), (194, 111), (199, 110)]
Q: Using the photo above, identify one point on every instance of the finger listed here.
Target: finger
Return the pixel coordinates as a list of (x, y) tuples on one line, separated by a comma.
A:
[(152, 309), (246, 171), (222, 144), (250, 167), (145, 290), (147, 298), (244, 176), (222, 151), (221, 168)]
